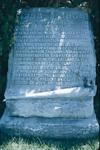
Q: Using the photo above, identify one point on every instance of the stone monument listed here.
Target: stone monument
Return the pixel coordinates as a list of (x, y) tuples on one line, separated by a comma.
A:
[(51, 76)]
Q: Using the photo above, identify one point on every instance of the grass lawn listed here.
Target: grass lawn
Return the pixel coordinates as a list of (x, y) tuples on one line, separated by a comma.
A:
[(8, 143)]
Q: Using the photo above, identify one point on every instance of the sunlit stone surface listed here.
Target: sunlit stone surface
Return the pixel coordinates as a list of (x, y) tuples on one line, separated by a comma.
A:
[(51, 77)]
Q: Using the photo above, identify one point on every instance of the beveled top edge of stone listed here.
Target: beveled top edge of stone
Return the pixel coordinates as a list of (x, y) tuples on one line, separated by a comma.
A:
[(52, 9)]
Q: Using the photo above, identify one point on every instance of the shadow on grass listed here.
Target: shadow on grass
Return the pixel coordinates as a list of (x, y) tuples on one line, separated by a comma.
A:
[(59, 144)]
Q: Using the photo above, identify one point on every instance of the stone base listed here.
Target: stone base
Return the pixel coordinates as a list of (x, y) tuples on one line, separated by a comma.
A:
[(49, 127), (60, 107)]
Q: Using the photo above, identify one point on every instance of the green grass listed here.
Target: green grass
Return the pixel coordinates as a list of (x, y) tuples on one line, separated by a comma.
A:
[(8, 143)]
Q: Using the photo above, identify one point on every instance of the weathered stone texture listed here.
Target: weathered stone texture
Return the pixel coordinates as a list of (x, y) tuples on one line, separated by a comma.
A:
[(51, 78)]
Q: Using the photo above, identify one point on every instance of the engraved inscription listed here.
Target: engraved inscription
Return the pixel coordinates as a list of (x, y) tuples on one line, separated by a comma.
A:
[(50, 49)]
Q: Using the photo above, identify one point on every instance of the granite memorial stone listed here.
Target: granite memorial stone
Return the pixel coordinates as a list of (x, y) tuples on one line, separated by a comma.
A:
[(51, 76)]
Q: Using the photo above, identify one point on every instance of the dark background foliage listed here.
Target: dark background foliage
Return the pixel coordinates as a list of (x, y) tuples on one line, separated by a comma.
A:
[(8, 13), (8, 10)]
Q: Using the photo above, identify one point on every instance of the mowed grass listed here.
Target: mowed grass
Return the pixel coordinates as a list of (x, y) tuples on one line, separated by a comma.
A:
[(8, 143)]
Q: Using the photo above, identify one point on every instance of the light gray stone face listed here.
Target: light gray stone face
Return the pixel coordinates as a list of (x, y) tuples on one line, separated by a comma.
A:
[(56, 107), (51, 77), (53, 50)]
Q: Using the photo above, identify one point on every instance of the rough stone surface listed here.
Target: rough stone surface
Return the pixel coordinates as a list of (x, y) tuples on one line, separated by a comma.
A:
[(53, 49), (49, 128), (56, 107), (51, 78)]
